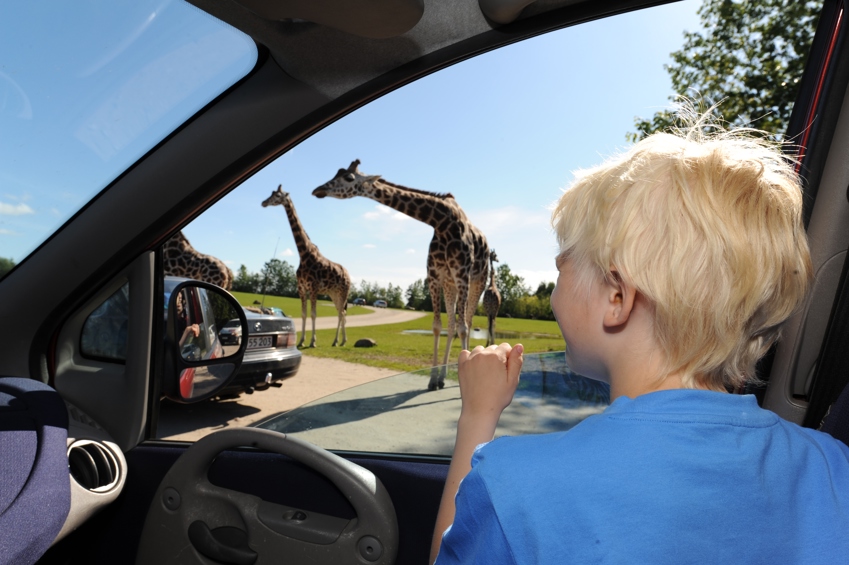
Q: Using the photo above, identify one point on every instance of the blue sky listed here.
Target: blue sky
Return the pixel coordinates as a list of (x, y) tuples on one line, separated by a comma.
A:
[(502, 132)]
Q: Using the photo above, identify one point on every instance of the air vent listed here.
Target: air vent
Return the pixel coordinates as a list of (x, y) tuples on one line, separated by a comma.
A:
[(93, 465)]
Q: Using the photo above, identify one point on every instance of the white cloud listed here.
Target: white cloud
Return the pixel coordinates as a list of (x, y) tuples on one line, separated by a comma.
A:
[(7, 232), (382, 212), (286, 253), (533, 278), (510, 219), (410, 252), (15, 209), (369, 245)]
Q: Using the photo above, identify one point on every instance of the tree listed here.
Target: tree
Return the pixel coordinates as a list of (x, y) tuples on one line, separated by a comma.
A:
[(393, 296), (544, 290), (512, 288), (278, 278), (749, 56), (6, 265), (417, 294), (246, 281)]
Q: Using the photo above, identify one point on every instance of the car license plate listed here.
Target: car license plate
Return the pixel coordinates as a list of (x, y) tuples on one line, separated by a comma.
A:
[(260, 341)]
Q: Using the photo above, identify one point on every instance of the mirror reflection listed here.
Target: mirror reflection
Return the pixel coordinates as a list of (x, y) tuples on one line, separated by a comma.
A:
[(200, 316), (198, 381)]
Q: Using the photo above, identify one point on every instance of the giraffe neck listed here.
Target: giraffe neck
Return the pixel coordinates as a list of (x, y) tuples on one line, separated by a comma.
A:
[(306, 248), (492, 284), (428, 207)]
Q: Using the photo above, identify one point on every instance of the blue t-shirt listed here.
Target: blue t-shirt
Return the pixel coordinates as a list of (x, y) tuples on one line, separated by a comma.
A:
[(677, 477)]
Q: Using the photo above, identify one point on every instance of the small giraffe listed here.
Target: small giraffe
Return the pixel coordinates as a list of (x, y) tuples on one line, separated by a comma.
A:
[(316, 274), (182, 260), (458, 258), (491, 300)]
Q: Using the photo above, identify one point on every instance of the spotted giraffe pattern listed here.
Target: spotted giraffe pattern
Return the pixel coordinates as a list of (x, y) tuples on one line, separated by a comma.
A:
[(180, 259), (316, 274), (458, 256), (491, 300)]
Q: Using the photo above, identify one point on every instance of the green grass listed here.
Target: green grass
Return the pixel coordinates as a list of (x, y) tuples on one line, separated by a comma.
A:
[(292, 306), (404, 352)]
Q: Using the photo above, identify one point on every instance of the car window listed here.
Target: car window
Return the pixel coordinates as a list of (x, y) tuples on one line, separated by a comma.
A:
[(500, 135), (85, 100), (104, 333)]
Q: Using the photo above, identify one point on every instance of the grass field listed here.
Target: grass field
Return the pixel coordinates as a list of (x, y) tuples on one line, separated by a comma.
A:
[(292, 306), (405, 352)]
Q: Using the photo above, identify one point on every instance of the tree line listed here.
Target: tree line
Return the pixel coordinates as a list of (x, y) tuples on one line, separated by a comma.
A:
[(518, 300), (6, 265)]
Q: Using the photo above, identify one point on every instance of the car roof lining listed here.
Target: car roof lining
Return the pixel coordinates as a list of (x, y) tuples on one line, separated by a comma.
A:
[(334, 61)]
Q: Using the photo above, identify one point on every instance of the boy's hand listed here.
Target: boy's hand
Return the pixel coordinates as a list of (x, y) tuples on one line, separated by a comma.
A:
[(488, 379)]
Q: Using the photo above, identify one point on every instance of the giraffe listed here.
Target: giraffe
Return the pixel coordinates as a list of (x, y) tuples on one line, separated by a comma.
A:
[(182, 260), (491, 299), (316, 274), (457, 260)]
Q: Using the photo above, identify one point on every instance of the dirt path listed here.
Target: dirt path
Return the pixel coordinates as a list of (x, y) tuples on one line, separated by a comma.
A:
[(315, 379), (379, 317)]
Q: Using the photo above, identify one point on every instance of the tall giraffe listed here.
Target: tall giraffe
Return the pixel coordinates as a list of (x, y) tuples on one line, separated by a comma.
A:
[(180, 259), (316, 274), (491, 300), (457, 261)]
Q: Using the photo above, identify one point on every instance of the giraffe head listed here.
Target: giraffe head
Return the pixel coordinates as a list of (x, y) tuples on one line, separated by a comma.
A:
[(277, 198), (492, 256), (347, 183)]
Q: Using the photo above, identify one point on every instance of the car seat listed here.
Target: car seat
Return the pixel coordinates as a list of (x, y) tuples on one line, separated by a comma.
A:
[(35, 484)]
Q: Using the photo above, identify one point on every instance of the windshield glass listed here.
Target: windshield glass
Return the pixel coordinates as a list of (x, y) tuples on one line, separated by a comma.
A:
[(86, 89), (398, 414)]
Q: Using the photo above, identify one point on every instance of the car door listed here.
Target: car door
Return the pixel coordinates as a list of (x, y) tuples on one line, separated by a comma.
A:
[(235, 138)]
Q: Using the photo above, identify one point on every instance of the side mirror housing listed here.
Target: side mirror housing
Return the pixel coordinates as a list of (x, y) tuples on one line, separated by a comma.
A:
[(197, 364)]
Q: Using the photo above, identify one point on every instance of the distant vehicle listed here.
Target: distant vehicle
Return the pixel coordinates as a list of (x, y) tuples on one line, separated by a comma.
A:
[(231, 333), (380, 303), (359, 302), (276, 311)]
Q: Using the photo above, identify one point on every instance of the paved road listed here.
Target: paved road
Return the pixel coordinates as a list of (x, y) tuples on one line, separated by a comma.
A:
[(378, 317)]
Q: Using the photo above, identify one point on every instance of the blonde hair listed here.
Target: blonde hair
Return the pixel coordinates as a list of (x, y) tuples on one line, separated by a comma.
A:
[(706, 227)]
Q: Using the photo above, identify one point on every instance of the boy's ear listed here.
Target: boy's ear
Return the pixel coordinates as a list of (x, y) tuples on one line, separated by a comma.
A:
[(620, 301)]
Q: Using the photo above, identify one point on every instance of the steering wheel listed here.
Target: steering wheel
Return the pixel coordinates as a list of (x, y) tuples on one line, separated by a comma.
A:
[(192, 521)]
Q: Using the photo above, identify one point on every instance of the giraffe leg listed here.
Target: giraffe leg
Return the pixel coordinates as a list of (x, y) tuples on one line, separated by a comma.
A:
[(341, 303), (313, 299), (451, 312), (490, 339), (303, 318), (476, 288), (437, 330), (463, 320)]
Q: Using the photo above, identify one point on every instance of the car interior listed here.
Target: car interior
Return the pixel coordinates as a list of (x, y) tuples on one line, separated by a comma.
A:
[(245, 495)]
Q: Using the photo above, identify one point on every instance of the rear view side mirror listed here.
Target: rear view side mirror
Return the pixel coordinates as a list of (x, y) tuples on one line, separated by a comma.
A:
[(197, 363)]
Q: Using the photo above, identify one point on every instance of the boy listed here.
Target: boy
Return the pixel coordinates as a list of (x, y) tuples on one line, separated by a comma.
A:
[(679, 261)]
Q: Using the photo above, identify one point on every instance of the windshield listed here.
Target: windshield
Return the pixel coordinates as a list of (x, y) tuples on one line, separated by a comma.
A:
[(398, 414), (86, 89)]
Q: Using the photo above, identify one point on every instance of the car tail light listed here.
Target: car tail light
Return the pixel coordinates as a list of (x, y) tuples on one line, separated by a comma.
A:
[(290, 339)]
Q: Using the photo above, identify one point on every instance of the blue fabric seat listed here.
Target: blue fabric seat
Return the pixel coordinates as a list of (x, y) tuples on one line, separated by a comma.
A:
[(35, 487)]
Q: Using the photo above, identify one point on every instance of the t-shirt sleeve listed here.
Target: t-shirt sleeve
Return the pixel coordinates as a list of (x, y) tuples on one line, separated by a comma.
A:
[(476, 535)]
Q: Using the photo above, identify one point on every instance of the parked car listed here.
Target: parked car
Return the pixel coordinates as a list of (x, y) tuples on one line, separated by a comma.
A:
[(359, 301), (125, 121), (271, 355), (231, 333), (380, 304)]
